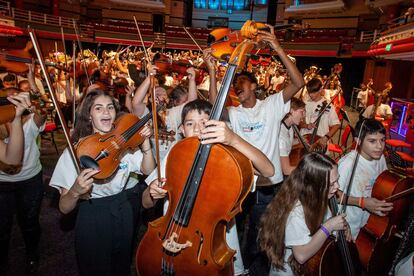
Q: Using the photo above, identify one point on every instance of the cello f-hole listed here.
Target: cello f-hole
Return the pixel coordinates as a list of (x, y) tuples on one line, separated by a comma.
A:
[(200, 248)]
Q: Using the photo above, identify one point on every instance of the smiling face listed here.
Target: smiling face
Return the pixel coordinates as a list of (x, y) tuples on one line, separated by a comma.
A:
[(245, 90), (373, 145), (102, 114)]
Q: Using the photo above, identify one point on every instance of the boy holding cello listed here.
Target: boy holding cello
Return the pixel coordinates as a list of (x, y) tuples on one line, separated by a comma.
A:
[(195, 123), (370, 165)]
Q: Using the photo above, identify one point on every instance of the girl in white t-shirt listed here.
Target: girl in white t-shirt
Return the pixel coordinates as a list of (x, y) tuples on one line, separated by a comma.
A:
[(292, 229), (104, 227)]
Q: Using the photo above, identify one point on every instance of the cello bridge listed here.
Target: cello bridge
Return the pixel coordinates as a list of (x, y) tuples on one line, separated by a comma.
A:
[(173, 246)]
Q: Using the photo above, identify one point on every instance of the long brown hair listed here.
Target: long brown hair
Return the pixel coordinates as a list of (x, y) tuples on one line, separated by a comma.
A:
[(83, 126), (308, 183)]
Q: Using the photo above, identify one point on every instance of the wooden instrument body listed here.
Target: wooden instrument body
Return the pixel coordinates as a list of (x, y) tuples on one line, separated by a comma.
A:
[(376, 242), (7, 113), (226, 181), (113, 144), (13, 66), (327, 261)]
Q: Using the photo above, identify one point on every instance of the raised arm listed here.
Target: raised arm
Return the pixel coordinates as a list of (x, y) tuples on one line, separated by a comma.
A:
[(192, 87), (12, 153), (218, 132), (138, 105), (209, 60), (295, 76)]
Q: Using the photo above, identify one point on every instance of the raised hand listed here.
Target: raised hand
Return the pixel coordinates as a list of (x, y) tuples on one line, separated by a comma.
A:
[(217, 132), (269, 37), (83, 182), (21, 101), (209, 59)]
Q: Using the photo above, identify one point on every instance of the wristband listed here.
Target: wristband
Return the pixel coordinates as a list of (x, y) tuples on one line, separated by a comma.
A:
[(326, 231), (327, 136), (361, 202)]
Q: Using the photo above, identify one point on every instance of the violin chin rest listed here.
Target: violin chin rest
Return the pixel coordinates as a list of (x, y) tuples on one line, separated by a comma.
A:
[(88, 162)]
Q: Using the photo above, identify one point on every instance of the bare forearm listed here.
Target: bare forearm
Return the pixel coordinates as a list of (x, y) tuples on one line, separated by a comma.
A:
[(147, 200), (212, 92), (141, 91), (285, 164), (192, 90), (14, 150), (296, 77), (333, 130), (68, 201), (148, 162), (303, 253)]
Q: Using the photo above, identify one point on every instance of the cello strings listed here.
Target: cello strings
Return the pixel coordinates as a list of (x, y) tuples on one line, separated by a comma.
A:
[(343, 201)]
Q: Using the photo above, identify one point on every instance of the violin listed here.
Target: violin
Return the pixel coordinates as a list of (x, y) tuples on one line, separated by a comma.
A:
[(223, 41), (7, 111), (190, 238), (166, 66), (376, 241), (104, 152)]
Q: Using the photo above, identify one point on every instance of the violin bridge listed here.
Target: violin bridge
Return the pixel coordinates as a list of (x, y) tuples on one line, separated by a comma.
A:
[(115, 145), (173, 246)]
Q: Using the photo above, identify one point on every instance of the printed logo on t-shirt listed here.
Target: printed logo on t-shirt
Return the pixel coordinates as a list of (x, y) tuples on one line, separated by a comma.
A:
[(252, 128), (123, 165)]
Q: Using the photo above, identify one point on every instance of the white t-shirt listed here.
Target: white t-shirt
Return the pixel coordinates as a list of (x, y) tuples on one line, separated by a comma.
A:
[(260, 126), (363, 97), (328, 119), (365, 175), (285, 140), (172, 122), (31, 162), (65, 174), (383, 110), (296, 233)]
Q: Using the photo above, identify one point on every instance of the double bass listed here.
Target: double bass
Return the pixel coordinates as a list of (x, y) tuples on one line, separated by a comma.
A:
[(377, 241), (190, 238)]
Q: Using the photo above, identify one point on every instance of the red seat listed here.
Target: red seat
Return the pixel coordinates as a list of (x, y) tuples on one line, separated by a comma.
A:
[(395, 143), (405, 156), (335, 148), (50, 126)]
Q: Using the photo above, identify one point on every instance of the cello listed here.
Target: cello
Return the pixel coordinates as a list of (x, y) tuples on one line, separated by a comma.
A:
[(377, 241), (341, 255), (190, 238)]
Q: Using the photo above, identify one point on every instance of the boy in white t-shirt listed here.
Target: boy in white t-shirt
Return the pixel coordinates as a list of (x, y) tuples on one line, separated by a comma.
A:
[(195, 123), (293, 118), (258, 122), (371, 163)]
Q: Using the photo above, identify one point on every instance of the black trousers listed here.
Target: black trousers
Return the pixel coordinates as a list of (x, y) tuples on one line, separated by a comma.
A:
[(24, 199), (254, 206), (104, 235)]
